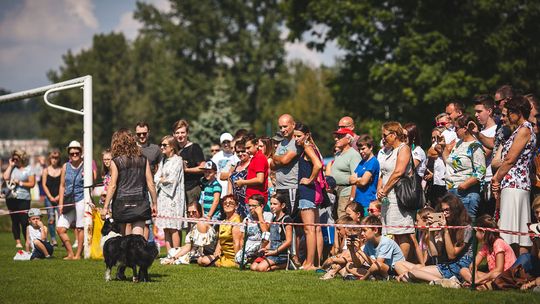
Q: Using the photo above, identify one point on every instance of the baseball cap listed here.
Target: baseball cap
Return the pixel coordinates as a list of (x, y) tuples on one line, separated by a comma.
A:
[(344, 131), (74, 145), (34, 212), (225, 136), (210, 165), (278, 136)]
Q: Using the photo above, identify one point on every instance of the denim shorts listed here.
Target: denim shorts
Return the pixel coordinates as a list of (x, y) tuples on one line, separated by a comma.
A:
[(279, 260), (37, 254), (452, 269), (305, 204)]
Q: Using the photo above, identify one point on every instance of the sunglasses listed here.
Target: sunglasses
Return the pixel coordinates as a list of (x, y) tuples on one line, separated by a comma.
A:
[(240, 151), (74, 153), (441, 124), (142, 134), (164, 145), (372, 210), (229, 203), (446, 210)]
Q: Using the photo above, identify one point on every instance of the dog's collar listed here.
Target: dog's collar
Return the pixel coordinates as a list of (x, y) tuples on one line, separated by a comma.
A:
[(109, 236)]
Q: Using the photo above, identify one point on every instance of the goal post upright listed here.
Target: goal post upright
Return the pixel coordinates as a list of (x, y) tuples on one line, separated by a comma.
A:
[(85, 83)]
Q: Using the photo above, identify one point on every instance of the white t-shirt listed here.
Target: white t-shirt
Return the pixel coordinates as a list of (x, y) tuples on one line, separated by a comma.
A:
[(439, 170), (489, 132), (419, 154), (224, 162), (449, 136)]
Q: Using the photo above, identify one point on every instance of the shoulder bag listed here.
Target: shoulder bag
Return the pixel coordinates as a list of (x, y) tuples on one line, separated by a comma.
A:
[(409, 192)]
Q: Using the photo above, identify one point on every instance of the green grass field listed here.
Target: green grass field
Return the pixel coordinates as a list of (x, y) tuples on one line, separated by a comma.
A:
[(58, 281)]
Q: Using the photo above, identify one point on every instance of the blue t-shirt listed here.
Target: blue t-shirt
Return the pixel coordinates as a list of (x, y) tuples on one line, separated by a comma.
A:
[(387, 249), (366, 195)]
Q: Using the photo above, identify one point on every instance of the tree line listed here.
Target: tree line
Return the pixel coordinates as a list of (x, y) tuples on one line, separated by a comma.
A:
[(221, 65)]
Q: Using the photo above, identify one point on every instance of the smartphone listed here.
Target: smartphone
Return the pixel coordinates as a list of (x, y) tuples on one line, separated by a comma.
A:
[(353, 237), (438, 220)]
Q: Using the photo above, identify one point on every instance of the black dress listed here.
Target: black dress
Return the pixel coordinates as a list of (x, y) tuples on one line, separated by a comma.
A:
[(130, 202)]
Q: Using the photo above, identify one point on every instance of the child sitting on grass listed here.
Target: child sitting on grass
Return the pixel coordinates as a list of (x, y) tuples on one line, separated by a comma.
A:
[(429, 242), (275, 255), (380, 254), (37, 236), (499, 254), (336, 263)]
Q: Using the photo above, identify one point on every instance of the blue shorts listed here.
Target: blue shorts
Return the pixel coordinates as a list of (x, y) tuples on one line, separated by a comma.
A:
[(37, 254), (306, 204), (452, 269), (278, 260)]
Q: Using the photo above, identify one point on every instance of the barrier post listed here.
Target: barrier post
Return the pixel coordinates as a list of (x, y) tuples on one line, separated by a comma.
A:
[(474, 251), (242, 263)]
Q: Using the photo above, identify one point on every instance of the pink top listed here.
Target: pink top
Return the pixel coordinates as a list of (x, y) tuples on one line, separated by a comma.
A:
[(499, 246)]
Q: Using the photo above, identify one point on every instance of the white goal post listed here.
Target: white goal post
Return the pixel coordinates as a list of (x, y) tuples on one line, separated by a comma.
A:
[(85, 83)]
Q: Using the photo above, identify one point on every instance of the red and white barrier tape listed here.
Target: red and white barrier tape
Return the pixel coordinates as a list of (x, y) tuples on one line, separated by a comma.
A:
[(210, 221)]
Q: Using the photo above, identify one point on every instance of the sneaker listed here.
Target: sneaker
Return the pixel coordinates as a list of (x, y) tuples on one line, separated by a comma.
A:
[(75, 245), (320, 270), (327, 276), (18, 245), (453, 282)]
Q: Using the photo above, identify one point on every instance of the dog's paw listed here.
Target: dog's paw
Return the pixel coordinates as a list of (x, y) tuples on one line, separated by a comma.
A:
[(135, 280), (107, 275)]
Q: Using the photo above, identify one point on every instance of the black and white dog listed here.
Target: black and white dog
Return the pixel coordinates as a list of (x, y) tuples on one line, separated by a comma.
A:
[(126, 251)]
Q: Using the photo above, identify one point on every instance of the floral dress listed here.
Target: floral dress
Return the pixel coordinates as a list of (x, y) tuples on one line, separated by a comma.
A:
[(519, 176)]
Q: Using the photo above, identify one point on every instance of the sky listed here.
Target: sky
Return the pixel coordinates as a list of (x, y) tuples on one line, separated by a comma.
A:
[(34, 34)]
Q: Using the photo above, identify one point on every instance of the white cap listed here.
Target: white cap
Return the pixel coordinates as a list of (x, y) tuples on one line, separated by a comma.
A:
[(74, 144), (34, 212), (225, 136)]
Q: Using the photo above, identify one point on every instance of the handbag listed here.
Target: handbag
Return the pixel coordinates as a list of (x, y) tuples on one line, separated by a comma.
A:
[(409, 192), (8, 190), (70, 198)]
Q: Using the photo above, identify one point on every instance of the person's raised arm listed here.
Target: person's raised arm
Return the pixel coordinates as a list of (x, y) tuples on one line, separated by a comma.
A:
[(7, 174), (452, 250)]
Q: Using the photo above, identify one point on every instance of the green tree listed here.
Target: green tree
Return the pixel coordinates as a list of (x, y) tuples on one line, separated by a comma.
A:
[(311, 103), (239, 39), (404, 55), (219, 117)]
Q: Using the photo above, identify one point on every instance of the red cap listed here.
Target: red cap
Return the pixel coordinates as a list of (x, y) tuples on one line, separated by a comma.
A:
[(344, 131)]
